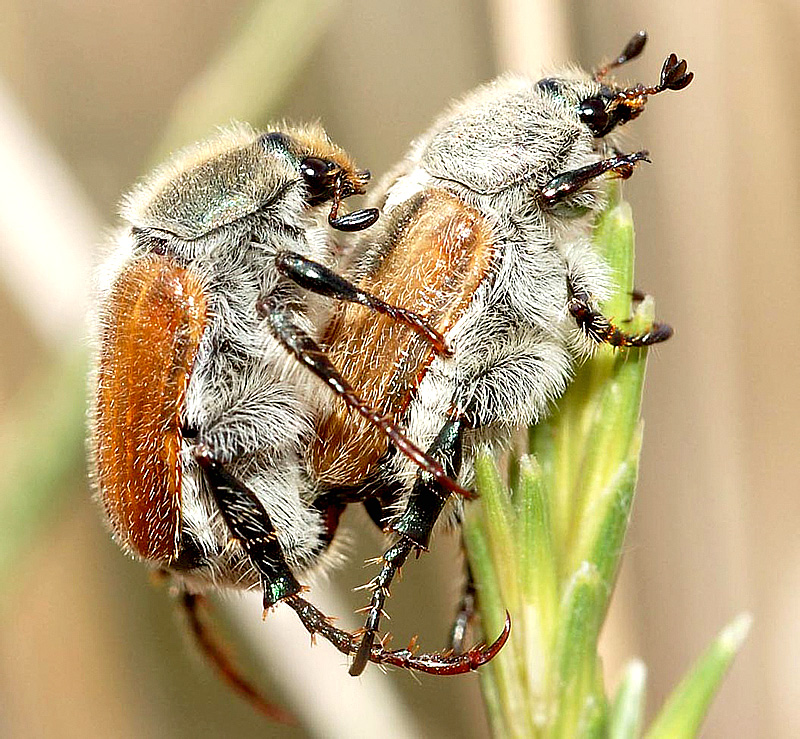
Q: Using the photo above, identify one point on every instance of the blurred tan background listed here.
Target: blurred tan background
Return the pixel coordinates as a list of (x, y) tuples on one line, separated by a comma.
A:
[(91, 91)]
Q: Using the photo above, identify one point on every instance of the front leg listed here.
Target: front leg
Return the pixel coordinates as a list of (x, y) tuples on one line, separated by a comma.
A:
[(568, 183), (414, 527), (319, 279)]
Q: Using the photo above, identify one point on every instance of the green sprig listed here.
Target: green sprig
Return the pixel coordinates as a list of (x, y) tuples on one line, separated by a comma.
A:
[(549, 549)]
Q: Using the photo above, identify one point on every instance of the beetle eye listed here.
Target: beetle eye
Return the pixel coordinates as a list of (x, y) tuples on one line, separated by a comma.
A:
[(592, 112), (549, 85), (319, 175), (317, 172)]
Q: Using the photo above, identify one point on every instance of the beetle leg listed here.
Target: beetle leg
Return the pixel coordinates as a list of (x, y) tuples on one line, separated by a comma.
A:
[(567, 183), (595, 325), (432, 663), (308, 352), (414, 526), (323, 281), (213, 651), (249, 523)]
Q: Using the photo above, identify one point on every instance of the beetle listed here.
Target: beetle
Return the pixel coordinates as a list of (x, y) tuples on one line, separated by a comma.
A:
[(199, 412), (486, 234)]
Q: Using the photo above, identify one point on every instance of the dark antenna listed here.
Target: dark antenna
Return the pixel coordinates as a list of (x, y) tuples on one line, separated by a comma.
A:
[(358, 220), (632, 49), (673, 77)]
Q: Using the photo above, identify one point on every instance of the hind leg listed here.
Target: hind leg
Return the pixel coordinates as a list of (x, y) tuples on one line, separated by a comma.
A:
[(249, 523)]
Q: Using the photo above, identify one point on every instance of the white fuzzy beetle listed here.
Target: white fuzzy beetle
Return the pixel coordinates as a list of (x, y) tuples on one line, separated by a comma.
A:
[(486, 233), (199, 411)]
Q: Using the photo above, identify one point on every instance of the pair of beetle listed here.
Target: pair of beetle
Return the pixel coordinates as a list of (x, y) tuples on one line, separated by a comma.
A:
[(217, 453)]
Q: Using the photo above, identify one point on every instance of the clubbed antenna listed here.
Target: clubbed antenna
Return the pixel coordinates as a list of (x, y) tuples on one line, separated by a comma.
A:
[(673, 77), (632, 49)]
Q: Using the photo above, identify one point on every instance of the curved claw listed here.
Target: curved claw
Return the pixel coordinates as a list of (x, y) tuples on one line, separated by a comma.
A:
[(435, 663)]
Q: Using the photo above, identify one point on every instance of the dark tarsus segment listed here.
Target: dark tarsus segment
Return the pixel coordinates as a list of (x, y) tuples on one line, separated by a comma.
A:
[(595, 325), (308, 352), (323, 281), (393, 559), (432, 663), (358, 220), (570, 182), (215, 654), (250, 525), (414, 527)]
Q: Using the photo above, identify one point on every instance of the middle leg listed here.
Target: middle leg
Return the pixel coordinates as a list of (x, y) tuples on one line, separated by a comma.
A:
[(414, 528)]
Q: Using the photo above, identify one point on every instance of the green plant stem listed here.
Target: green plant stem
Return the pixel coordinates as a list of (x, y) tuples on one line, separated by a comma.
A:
[(549, 550)]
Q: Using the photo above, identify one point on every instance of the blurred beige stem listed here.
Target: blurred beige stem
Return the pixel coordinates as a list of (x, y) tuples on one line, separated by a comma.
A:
[(529, 36), (253, 72), (47, 231), (324, 697)]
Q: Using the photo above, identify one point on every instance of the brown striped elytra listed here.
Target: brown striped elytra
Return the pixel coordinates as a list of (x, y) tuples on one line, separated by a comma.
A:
[(153, 321)]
